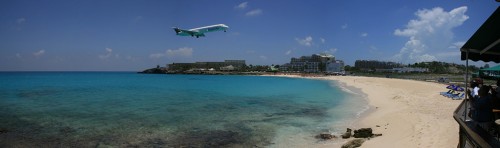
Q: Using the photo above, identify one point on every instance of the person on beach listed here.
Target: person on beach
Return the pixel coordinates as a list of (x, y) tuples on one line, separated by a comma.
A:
[(475, 91), (475, 86), (482, 111)]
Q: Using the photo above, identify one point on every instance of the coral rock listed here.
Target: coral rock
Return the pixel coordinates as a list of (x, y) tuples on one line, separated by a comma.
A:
[(353, 143), (347, 134)]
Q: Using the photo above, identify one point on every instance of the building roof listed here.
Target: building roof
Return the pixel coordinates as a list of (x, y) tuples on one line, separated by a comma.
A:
[(484, 45)]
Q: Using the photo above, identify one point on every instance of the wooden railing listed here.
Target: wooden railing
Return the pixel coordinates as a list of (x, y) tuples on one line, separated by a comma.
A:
[(471, 132)]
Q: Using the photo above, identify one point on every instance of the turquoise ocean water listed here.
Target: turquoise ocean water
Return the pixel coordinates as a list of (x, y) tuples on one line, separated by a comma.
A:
[(124, 109)]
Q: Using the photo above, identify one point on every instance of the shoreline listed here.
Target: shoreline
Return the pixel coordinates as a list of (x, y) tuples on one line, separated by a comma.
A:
[(408, 113)]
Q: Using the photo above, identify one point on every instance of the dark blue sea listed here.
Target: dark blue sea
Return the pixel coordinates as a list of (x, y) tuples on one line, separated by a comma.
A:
[(125, 109)]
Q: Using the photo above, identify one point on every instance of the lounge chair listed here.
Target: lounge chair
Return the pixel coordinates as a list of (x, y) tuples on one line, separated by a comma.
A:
[(458, 96), (452, 94), (445, 93)]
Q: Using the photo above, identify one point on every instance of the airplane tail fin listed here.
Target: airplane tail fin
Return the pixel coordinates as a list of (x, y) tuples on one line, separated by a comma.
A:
[(177, 30)]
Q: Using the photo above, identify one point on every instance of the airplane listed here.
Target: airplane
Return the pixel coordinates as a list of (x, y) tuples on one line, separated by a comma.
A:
[(197, 32)]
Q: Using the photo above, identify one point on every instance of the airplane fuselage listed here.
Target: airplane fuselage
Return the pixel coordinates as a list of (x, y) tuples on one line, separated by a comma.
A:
[(197, 32)]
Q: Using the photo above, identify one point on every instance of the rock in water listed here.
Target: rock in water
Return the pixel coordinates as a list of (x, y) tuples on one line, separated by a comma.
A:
[(325, 136), (353, 143), (347, 134), (363, 133), (3, 130)]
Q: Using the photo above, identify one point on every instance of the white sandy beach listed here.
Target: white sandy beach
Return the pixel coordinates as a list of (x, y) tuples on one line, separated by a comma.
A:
[(410, 113)]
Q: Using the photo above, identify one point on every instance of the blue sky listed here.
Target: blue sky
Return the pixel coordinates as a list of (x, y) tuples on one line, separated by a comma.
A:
[(74, 35)]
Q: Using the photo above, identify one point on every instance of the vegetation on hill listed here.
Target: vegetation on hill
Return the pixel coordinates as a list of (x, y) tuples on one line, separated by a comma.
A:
[(434, 67), (443, 67)]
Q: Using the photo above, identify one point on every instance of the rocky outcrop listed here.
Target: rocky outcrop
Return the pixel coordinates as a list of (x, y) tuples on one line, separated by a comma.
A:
[(3, 130), (154, 71), (360, 134), (325, 136), (353, 143), (363, 133), (347, 134)]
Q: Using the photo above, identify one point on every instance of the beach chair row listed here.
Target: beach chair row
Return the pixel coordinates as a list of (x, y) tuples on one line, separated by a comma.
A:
[(453, 94)]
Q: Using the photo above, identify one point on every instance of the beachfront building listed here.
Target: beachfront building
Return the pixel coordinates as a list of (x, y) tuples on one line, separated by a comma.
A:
[(235, 64), (314, 64), (227, 68), (336, 66)]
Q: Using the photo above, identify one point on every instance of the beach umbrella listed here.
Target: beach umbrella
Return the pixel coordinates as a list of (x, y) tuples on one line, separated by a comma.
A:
[(458, 88)]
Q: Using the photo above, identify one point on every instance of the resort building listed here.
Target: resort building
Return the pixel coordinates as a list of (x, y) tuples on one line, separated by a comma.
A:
[(227, 68), (314, 64), (336, 66)]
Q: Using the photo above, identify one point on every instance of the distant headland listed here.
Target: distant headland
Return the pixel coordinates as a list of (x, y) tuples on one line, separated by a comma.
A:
[(323, 64)]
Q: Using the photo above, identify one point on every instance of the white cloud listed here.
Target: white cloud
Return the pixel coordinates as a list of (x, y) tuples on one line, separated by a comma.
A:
[(185, 51), (364, 34), (457, 45), (254, 12), (130, 58), (108, 54), (448, 54), (308, 41), (18, 55), (263, 57), (288, 52), (429, 34), (242, 5), (322, 40), (39, 53), (20, 20), (156, 55), (344, 26), (331, 50), (181, 52)]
